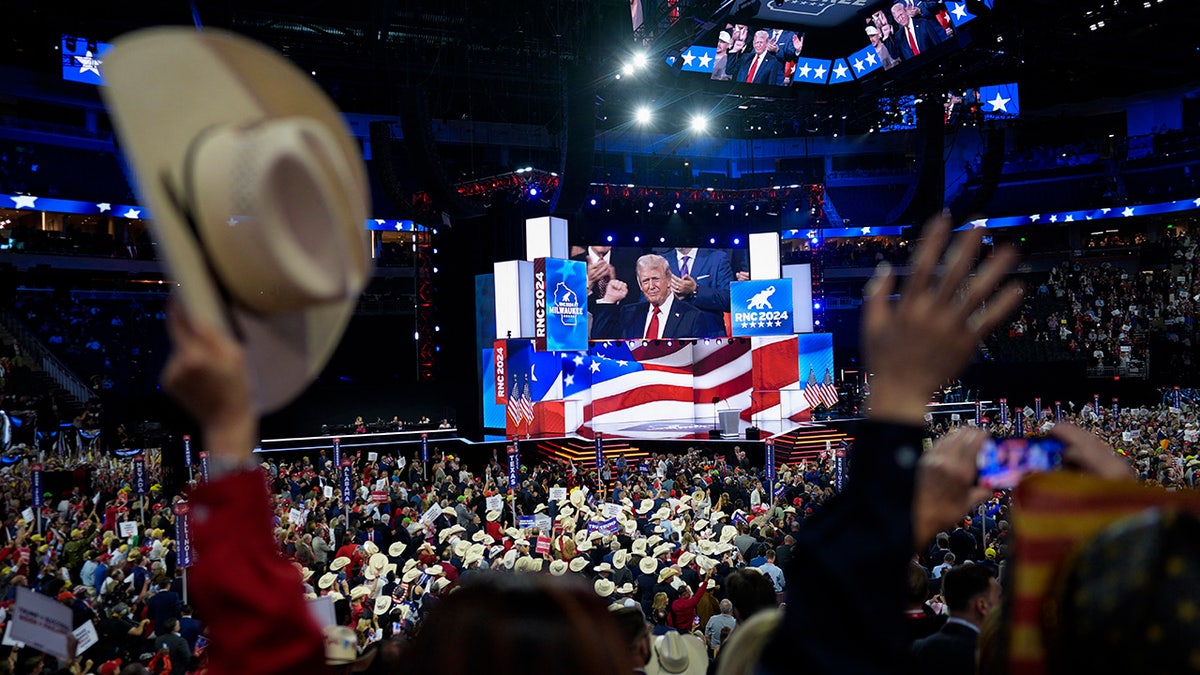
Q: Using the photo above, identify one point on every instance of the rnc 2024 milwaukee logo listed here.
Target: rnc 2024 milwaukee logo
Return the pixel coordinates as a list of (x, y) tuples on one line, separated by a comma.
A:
[(566, 305), (760, 313)]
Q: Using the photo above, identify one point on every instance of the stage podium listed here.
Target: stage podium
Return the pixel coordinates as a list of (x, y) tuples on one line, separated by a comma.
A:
[(728, 420)]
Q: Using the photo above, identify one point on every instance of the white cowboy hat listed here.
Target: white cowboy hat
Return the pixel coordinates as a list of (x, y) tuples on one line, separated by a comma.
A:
[(382, 604), (558, 568), (339, 563), (648, 565), (326, 580), (678, 654), (619, 558), (578, 563), (257, 193), (397, 549), (604, 587)]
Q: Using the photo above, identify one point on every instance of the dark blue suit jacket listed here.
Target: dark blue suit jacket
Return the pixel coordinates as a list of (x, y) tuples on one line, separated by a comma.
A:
[(769, 71), (929, 35), (628, 322), (713, 274)]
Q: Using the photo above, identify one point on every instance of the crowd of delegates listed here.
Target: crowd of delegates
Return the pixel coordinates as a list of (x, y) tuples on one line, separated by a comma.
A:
[(697, 543)]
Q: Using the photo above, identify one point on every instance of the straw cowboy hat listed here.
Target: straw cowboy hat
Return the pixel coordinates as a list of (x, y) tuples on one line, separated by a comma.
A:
[(558, 568), (370, 548), (619, 559), (677, 654), (666, 573), (326, 580), (257, 193), (492, 516), (382, 604), (397, 549), (339, 563), (648, 565), (604, 587), (578, 564)]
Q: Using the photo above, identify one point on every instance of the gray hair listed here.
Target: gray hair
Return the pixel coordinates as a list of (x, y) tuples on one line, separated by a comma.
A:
[(726, 606)]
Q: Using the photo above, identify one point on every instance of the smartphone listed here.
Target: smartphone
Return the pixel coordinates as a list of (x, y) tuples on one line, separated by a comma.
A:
[(1004, 461)]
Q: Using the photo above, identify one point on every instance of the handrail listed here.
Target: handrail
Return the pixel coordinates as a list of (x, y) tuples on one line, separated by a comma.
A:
[(33, 349)]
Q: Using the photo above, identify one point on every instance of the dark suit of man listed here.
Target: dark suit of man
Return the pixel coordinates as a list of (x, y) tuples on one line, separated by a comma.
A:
[(177, 649), (768, 72), (929, 34), (711, 270), (629, 322), (950, 651), (624, 263)]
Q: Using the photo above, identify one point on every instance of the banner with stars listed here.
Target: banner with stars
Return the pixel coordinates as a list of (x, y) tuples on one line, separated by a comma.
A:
[(840, 72), (761, 307), (696, 59), (812, 71), (1108, 213), (82, 59), (864, 61), (958, 13), (1001, 101)]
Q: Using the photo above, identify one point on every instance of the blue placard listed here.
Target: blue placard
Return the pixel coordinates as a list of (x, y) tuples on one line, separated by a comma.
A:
[(1116, 409), (82, 59), (1003, 411), (204, 465), (1176, 398), (139, 475), (1019, 423), (770, 452), (839, 467), (35, 481), (183, 535), (347, 479), (1037, 409), (187, 451), (337, 452), (526, 522), (1096, 404), (560, 305), (644, 467), (1057, 411), (779, 490), (514, 467), (978, 413), (424, 448), (761, 307)]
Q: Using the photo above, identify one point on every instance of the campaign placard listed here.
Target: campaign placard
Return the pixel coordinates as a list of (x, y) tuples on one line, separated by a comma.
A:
[(204, 465), (35, 481), (557, 494), (495, 503), (183, 533), (424, 448), (514, 467), (41, 622), (761, 307), (611, 510), (347, 480), (560, 305), (187, 451), (337, 452), (432, 514), (769, 446), (128, 528), (139, 475)]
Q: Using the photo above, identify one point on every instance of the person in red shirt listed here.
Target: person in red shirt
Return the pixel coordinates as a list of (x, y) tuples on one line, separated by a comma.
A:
[(683, 610)]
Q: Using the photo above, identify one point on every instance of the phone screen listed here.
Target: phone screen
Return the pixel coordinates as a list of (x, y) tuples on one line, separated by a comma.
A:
[(1004, 461)]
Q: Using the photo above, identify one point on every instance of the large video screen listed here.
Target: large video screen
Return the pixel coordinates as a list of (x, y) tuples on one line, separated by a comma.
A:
[(689, 287)]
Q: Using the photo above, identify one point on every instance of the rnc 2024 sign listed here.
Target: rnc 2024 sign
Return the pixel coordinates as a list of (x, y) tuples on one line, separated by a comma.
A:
[(560, 305), (761, 307)]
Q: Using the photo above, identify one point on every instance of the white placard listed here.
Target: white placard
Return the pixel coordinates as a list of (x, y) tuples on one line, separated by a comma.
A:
[(372, 456), (432, 514), (401, 462), (495, 503), (87, 636), (543, 522), (327, 491), (41, 622), (611, 510), (381, 485), (129, 528), (321, 610), (296, 517), (27, 514), (8, 641), (557, 494)]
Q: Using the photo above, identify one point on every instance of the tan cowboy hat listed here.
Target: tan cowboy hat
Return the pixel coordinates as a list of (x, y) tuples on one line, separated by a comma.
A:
[(370, 547), (584, 546), (644, 506), (604, 588), (686, 558), (257, 193), (409, 565), (648, 565), (603, 567), (666, 573), (619, 559), (528, 564), (382, 604), (339, 563), (397, 549), (678, 654), (461, 547), (578, 563), (369, 573), (411, 575), (558, 568), (359, 592), (662, 549), (706, 547), (639, 546), (378, 562), (326, 580), (705, 563), (492, 516), (728, 533), (434, 570), (578, 497), (625, 588)]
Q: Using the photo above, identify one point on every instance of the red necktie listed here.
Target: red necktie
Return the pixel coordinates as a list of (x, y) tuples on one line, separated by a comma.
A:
[(652, 329), (912, 39), (754, 68)]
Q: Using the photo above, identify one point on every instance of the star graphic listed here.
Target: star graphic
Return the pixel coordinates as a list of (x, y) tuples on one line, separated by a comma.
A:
[(88, 62), (959, 11), (840, 71), (819, 73), (232, 222), (858, 65), (1105, 211), (578, 359), (871, 60), (705, 61), (595, 367), (1196, 201), (104, 206), (622, 363), (804, 70), (999, 104), (979, 224), (132, 213), (1034, 217), (1088, 217), (24, 201), (1069, 219), (380, 221), (399, 227), (866, 230), (569, 380), (745, 325), (1054, 218), (688, 58), (1127, 212)]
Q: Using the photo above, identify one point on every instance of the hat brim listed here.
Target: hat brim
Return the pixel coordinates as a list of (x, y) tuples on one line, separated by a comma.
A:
[(165, 86)]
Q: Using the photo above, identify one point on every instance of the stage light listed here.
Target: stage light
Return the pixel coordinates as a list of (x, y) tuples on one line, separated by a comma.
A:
[(699, 123), (636, 239), (533, 192), (816, 305), (640, 60), (678, 205), (662, 240), (732, 207), (712, 240), (609, 238), (416, 335), (651, 204), (627, 70), (816, 322), (643, 115), (737, 241), (437, 329), (813, 241), (593, 202)]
